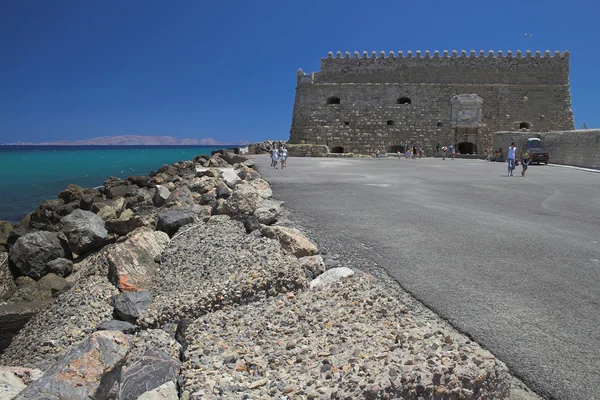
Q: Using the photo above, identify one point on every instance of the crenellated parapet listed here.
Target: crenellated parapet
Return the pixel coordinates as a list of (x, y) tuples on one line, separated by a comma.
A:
[(492, 67), (446, 54)]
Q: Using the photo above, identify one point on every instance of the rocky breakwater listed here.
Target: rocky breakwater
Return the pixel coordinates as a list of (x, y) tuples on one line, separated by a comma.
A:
[(192, 283)]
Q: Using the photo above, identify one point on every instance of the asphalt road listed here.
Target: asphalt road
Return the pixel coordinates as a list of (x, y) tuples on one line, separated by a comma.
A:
[(513, 262)]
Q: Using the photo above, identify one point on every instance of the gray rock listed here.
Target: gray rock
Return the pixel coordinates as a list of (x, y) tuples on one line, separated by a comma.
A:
[(161, 195), (7, 282), (152, 370), (181, 196), (45, 216), (169, 221), (330, 276), (14, 379), (216, 161), (291, 239), (88, 371), (5, 229), (244, 200), (86, 201), (30, 253), (60, 266), (223, 191), (71, 193), (141, 181), (13, 317), (130, 305), (232, 158), (127, 222), (16, 233), (166, 391), (268, 212), (54, 283), (121, 191), (131, 263), (249, 163), (116, 325), (84, 230)]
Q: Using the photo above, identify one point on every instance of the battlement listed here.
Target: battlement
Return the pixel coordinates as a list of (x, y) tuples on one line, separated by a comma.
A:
[(446, 54), (493, 67)]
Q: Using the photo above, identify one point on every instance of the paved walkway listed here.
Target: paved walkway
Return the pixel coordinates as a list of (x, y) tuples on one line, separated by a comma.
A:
[(513, 262)]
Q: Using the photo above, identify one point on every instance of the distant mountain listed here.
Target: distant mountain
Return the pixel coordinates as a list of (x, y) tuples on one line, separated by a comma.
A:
[(133, 140)]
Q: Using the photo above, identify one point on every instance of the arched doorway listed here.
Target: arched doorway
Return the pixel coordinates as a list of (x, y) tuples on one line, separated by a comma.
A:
[(337, 149), (394, 149), (466, 148)]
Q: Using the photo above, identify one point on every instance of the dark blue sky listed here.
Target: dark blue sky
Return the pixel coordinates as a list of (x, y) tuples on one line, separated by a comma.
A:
[(72, 69)]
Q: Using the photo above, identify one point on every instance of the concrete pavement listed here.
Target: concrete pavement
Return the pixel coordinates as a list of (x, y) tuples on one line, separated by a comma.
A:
[(513, 262)]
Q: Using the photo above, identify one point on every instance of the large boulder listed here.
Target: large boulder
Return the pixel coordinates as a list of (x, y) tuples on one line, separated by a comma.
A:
[(244, 200), (130, 305), (330, 276), (268, 212), (31, 253), (166, 391), (216, 161), (232, 158), (88, 371), (60, 266), (45, 217), (169, 221), (127, 222), (72, 193), (141, 181), (5, 229), (161, 195), (262, 187), (115, 192), (131, 263), (84, 230), (182, 196), (14, 379), (291, 239), (154, 369)]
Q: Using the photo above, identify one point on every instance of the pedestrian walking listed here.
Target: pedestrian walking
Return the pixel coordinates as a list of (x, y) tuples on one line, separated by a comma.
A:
[(452, 151), (274, 157), (284, 156), (420, 152), (444, 152), (437, 150), (511, 157), (524, 161)]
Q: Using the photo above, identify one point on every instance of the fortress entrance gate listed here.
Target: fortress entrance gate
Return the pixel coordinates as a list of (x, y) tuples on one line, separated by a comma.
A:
[(469, 132)]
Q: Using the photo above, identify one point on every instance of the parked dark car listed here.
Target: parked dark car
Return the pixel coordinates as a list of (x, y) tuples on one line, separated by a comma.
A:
[(538, 155)]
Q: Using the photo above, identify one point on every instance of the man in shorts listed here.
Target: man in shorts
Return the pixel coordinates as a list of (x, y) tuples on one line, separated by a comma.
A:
[(512, 155)]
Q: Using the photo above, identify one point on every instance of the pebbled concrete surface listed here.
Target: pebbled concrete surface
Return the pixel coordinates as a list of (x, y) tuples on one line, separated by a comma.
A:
[(513, 262)]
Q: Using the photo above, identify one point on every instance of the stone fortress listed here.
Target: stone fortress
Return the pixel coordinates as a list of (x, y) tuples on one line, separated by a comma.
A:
[(357, 104)]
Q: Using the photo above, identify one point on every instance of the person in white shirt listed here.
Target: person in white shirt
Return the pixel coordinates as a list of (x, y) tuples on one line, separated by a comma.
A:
[(512, 154), (283, 157), (274, 157)]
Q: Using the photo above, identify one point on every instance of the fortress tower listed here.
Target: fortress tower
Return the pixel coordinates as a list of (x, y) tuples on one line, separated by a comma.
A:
[(360, 103)]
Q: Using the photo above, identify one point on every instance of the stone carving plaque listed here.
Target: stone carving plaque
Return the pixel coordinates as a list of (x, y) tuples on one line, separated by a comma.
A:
[(466, 110)]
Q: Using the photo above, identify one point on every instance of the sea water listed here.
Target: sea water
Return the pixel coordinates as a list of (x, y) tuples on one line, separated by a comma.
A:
[(32, 174)]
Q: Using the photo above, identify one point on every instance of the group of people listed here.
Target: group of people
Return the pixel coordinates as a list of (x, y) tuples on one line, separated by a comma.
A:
[(279, 155), (513, 161), (446, 151)]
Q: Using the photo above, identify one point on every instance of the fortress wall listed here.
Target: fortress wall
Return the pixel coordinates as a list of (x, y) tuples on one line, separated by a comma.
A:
[(580, 148), (368, 107), (490, 68)]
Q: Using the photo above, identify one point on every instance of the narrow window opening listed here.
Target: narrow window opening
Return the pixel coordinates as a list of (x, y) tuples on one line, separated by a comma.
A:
[(347, 123), (404, 100), (333, 100), (439, 124), (524, 125), (390, 122), (337, 149)]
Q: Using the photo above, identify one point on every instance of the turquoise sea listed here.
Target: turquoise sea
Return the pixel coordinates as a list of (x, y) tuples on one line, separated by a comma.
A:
[(32, 174)]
